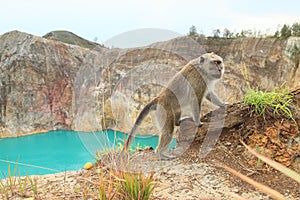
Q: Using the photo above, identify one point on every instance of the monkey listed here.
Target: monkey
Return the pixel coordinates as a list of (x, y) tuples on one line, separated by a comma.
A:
[(181, 99)]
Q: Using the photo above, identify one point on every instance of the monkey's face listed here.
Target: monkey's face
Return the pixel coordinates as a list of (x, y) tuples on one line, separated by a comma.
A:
[(213, 65)]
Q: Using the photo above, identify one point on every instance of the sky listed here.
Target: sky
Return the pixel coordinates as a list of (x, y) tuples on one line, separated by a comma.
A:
[(104, 19)]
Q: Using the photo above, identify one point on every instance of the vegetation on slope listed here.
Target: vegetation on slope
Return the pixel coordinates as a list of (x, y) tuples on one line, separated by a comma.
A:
[(70, 38)]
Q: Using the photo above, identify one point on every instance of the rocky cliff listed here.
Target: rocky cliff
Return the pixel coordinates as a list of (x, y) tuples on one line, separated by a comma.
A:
[(47, 84)]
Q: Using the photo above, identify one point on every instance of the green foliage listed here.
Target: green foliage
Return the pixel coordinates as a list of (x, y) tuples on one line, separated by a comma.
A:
[(295, 51), (227, 33), (70, 38), (193, 31), (136, 186), (295, 55), (216, 33), (286, 31), (123, 185), (277, 34), (246, 33), (230, 34), (296, 29), (278, 101)]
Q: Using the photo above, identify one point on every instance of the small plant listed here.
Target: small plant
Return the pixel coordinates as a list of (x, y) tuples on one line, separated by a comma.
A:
[(33, 184), (8, 185), (14, 185), (117, 185), (22, 185), (136, 185), (278, 101), (4, 191), (103, 187)]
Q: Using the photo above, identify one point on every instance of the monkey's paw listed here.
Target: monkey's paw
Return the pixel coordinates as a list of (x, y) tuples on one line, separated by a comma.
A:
[(224, 104), (199, 124)]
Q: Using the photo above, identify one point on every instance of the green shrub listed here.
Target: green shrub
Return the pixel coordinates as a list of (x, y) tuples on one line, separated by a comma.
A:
[(136, 186), (278, 101)]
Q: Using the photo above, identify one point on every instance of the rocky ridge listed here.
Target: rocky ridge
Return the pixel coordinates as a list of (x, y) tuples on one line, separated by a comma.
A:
[(71, 38)]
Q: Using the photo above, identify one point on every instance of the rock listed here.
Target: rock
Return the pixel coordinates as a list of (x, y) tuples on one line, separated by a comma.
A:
[(227, 144), (236, 190)]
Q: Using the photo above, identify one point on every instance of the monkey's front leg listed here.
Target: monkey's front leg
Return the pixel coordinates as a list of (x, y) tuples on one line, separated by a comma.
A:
[(212, 97), (196, 109)]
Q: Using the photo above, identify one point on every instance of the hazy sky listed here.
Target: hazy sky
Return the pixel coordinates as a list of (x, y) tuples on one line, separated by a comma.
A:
[(105, 19)]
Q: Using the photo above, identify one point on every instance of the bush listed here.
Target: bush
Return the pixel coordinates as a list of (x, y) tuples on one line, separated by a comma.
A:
[(136, 186), (278, 101)]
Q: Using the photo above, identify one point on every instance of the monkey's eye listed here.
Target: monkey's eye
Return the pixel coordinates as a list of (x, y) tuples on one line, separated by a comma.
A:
[(217, 62)]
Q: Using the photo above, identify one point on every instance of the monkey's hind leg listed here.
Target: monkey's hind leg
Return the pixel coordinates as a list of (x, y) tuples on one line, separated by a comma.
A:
[(186, 135), (165, 139)]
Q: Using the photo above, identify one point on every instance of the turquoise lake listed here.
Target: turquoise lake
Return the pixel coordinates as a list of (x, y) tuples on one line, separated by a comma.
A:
[(59, 151)]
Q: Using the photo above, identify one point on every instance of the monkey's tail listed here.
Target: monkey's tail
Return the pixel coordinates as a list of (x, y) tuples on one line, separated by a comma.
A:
[(149, 107)]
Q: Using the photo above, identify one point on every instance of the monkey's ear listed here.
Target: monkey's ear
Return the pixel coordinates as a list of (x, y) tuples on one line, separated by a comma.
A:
[(201, 60)]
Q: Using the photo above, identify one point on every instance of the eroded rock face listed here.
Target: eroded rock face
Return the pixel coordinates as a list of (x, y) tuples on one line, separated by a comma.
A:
[(47, 85), (37, 83)]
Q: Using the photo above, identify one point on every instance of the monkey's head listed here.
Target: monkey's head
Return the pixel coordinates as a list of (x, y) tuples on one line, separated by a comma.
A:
[(212, 65)]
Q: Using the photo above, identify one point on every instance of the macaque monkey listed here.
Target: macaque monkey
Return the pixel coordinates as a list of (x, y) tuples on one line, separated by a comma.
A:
[(181, 99)]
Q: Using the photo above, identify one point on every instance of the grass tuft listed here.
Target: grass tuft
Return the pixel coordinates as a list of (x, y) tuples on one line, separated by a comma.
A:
[(136, 185), (107, 184), (279, 101)]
